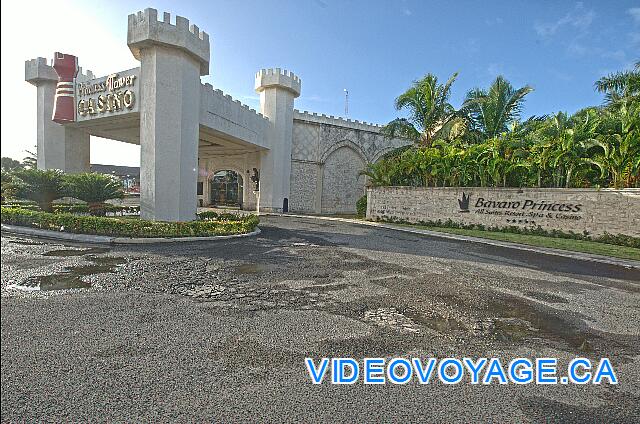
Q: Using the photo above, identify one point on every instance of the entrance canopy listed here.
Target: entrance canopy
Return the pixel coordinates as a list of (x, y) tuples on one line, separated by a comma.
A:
[(226, 125), (163, 106)]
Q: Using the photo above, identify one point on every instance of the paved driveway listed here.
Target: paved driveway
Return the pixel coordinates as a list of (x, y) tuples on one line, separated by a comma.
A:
[(219, 330)]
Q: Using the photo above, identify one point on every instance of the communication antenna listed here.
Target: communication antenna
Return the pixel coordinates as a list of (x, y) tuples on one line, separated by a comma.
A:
[(346, 102)]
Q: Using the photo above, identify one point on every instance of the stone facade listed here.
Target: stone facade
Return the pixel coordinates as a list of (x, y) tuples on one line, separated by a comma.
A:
[(327, 155), (570, 210), (59, 147), (241, 164), (188, 130)]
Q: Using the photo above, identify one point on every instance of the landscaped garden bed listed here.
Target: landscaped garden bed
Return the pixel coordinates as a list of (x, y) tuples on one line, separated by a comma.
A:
[(608, 245), (205, 226), (32, 198)]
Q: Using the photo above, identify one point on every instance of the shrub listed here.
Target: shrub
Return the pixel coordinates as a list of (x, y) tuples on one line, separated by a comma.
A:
[(361, 206), (70, 208), (215, 216), (126, 227), (619, 239), (43, 187), (95, 189), (8, 184)]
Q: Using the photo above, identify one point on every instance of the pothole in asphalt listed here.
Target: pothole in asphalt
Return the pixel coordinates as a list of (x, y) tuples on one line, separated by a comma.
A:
[(26, 243), (61, 253), (253, 268), (517, 320), (391, 318), (441, 324), (546, 297), (302, 244), (72, 277), (328, 287)]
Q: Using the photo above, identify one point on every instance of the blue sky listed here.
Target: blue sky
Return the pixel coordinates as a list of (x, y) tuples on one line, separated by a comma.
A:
[(372, 48), (375, 49)]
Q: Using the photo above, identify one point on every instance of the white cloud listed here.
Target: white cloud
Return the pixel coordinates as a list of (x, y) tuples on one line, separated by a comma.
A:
[(58, 26), (579, 19)]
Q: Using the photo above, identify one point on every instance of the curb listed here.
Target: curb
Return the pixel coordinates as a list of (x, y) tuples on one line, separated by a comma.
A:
[(86, 238), (627, 263)]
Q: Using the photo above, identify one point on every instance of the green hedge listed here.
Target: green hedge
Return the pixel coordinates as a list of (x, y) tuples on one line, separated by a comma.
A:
[(215, 216), (72, 207), (617, 239), (126, 227)]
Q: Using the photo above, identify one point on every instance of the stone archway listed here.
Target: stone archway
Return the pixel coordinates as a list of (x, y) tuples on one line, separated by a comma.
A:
[(342, 185)]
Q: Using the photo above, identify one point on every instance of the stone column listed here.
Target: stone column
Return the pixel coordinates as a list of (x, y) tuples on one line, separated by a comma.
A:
[(59, 147), (278, 89), (173, 57)]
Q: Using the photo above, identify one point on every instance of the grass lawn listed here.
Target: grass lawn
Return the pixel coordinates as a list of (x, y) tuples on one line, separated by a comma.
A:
[(584, 246)]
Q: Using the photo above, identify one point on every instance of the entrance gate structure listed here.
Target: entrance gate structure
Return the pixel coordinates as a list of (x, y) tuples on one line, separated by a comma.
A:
[(188, 131), (177, 120)]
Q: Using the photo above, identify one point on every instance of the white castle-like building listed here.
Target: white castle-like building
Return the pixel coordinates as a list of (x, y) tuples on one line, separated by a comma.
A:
[(199, 146)]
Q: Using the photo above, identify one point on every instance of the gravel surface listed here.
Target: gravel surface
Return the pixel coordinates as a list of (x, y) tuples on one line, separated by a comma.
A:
[(218, 331)]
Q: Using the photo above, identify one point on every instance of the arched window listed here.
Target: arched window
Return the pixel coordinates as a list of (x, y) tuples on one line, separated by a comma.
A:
[(226, 188)]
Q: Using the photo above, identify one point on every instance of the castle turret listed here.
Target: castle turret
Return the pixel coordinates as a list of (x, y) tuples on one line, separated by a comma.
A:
[(172, 57), (278, 89), (59, 147)]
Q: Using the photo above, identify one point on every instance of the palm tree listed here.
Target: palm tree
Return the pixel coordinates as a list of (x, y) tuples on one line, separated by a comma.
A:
[(427, 104), (30, 161), (379, 173), (573, 139), (491, 111), (43, 187), (94, 189), (620, 158), (618, 141), (621, 87)]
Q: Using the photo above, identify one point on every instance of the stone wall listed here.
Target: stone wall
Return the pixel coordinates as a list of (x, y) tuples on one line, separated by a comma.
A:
[(304, 180), (342, 183), (327, 155), (577, 210)]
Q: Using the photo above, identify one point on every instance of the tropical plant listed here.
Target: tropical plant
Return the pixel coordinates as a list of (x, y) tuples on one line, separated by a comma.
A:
[(8, 185), (30, 161), (380, 173), (9, 164), (594, 147), (43, 187), (621, 87), (429, 112), (127, 227), (93, 188), (491, 111)]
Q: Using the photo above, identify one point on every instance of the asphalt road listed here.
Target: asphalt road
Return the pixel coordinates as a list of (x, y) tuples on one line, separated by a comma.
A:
[(218, 331)]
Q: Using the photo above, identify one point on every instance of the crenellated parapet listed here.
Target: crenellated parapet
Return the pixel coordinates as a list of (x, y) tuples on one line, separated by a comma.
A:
[(232, 118), (40, 69), (230, 101), (144, 30), (84, 75), (336, 120), (280, 78)]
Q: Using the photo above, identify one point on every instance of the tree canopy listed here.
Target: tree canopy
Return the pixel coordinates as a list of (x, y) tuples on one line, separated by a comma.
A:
[(485, 142)]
